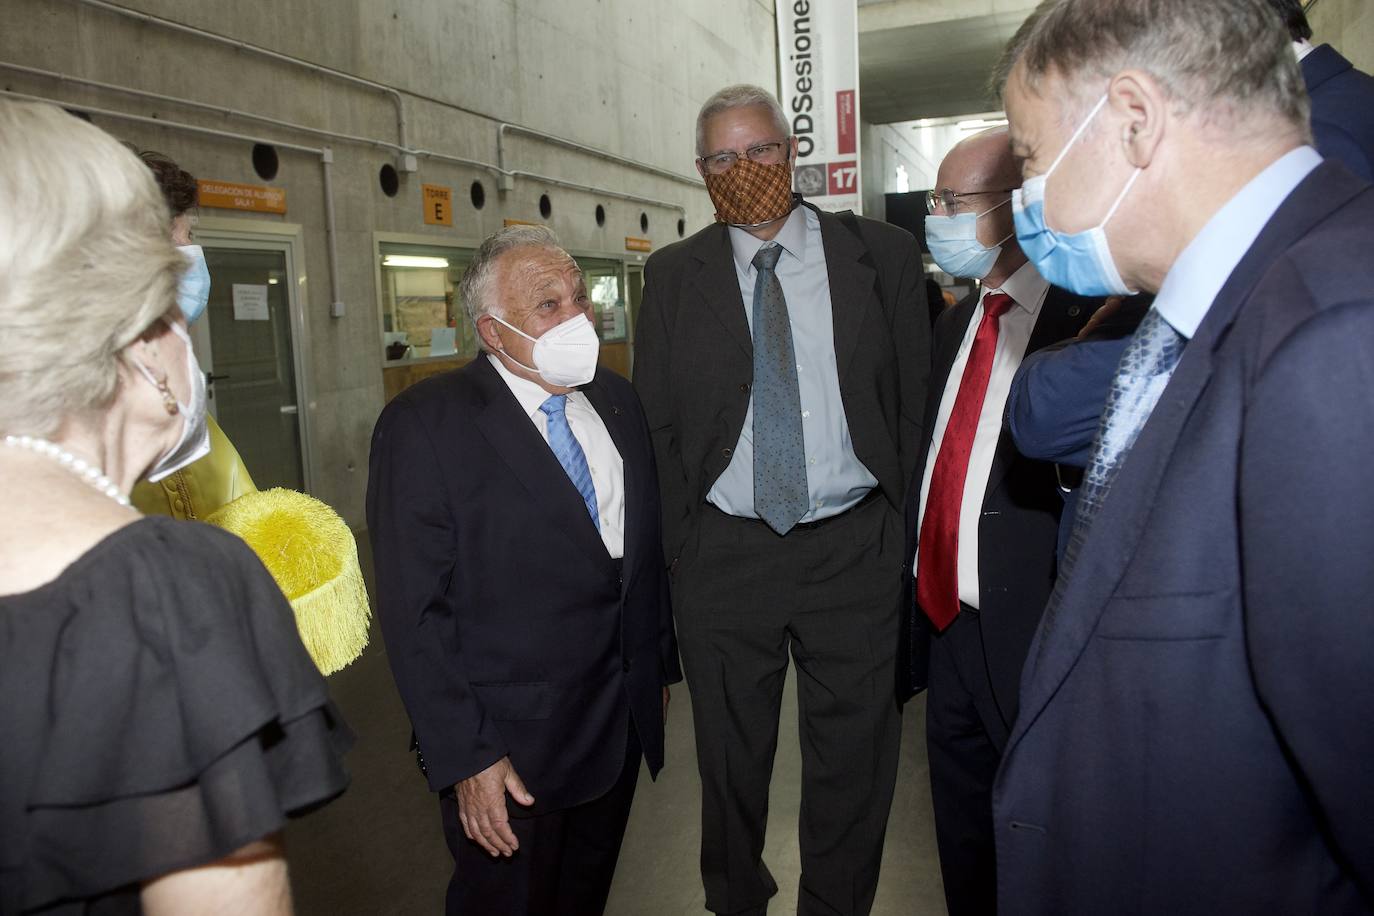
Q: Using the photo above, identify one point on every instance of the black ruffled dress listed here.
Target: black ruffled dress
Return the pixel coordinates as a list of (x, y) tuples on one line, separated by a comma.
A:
[(157, 711)]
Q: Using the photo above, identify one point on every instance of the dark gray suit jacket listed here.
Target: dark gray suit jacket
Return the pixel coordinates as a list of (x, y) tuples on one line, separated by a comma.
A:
[(694, 358)]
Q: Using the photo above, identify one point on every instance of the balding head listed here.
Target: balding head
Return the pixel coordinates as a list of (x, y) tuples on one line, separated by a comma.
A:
[(981, 162), (982, 171)]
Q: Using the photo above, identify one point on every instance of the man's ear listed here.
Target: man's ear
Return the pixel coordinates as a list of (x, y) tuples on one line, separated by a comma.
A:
[(487, 329), (1142, 108)]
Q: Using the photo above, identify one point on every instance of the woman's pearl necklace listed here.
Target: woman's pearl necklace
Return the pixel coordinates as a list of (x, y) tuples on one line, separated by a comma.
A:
[(78, 466)]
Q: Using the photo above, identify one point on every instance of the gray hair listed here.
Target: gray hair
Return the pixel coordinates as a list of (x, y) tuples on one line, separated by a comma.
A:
[(740, 96), (476, 287), (1228, 60), (87, 265)]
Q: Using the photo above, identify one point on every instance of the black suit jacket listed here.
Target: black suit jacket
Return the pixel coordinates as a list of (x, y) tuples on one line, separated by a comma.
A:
[(508, 627), (1018, 527), (1195, 733), (1342, 109), (694, 358)]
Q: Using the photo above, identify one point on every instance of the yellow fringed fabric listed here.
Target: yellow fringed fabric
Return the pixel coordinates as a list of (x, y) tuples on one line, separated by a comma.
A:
[(312, 555)]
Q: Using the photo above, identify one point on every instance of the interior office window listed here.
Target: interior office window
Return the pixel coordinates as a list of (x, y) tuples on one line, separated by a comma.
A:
[(422, 313), (606, 288)]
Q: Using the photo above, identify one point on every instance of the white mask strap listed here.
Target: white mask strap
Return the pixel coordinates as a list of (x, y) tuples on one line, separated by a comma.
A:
[(1120, 197), (496, 317), (1076, 134), (998, 207)]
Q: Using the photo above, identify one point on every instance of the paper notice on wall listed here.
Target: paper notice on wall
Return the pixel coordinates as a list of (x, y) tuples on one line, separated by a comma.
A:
[(250, 303), (818, 59)]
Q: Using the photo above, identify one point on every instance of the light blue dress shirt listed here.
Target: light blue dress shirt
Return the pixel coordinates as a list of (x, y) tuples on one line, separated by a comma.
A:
[(835, 478), (1207, 263)]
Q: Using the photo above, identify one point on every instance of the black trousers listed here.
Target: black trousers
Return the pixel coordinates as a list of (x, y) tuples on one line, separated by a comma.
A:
[(743, 597), (565, 862), (966, 734)]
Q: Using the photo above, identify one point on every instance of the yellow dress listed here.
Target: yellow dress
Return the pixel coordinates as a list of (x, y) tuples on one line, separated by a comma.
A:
[(200, 488)]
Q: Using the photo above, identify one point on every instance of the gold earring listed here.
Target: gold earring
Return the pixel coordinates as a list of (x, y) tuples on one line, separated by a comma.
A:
[(169, 400)]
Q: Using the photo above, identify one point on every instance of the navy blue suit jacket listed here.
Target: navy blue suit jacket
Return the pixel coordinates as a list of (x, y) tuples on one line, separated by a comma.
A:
[(510, 630), (1195, 733), (1342, 109)]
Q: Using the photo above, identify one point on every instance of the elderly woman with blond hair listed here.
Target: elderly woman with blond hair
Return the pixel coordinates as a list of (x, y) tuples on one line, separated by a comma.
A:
[(160, 716)]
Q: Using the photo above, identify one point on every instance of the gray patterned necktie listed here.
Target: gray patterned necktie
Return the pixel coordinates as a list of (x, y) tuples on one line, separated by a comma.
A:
[(1141, 376), (781, 496)]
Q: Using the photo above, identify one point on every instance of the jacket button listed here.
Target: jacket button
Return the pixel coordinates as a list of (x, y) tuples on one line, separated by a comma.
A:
[(726, 452), (626, 666), (744, 387)]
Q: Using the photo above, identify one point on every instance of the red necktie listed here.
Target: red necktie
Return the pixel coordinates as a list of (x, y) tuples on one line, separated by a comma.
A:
[(937, 568)]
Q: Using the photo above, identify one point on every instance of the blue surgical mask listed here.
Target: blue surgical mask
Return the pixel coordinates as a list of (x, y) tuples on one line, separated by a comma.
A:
[(953, 243), (193, 291), (1080, 262)]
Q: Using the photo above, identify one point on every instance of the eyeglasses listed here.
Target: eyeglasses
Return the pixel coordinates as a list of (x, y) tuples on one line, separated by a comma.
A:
[(950, 200), (765, 153)]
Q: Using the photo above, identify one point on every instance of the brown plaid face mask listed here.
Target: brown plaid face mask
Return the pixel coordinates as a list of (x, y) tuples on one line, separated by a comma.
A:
[(751, 193)]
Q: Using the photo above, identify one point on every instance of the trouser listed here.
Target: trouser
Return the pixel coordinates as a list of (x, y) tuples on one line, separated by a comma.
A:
[(965, 737), (830, 593), (565, 862)]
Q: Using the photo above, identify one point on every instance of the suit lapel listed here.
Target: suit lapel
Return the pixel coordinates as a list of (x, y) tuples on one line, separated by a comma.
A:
[(1121, 521), (508, 429), (852, 293), (717, 284), (618, 424), (1061, 316)]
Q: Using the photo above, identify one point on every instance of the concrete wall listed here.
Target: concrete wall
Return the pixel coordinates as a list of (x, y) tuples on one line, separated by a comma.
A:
[(1348, 26), (885, 147), (611, 74)]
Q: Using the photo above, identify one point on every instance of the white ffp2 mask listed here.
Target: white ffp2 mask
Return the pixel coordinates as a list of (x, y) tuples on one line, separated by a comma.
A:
[(565, 355)]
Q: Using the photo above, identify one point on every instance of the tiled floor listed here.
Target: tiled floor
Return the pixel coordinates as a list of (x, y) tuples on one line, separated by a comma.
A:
[(379, 850)]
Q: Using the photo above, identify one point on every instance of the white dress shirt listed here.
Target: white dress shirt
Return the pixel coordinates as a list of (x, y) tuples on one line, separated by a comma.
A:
[(1027, 289), (603, 458)]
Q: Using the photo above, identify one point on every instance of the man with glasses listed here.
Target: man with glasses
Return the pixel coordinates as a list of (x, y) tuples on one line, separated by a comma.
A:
[(981, 518), (782, 356)]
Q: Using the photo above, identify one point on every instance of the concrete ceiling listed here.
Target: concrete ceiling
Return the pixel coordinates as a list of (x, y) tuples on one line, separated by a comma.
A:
[(932, 58)]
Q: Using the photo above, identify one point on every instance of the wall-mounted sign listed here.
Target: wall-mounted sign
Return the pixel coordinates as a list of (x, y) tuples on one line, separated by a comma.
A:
[(517, 222), (225, 195), (634, 244), (818, 60), (438, 204)]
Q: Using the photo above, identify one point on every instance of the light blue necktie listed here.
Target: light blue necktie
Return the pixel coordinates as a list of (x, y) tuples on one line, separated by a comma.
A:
[(781, 496), (569, 453), (1141, 377)]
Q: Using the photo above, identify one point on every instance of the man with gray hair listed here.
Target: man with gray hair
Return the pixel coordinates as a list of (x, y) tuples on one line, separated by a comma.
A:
[(521, 589), (1194, 733), (782, 355)]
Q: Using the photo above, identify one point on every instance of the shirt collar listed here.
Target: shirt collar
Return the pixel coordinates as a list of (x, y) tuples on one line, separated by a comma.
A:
[(1206, 264), (528, 393), (791, 237), (1303, 48), (1026, 288)]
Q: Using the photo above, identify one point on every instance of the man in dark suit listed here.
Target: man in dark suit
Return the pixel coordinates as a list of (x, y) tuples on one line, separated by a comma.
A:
[(1194, 728), (782, 356), (1342, 97), (521, 590), (986, 516)]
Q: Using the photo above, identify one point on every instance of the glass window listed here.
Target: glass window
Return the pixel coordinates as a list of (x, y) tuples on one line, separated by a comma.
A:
[(422, 314), (606, 288)]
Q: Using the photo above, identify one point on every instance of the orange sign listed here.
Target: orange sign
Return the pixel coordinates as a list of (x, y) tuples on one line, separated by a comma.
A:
[(225, 195), (438, 204), (518, 222), (634, 244)]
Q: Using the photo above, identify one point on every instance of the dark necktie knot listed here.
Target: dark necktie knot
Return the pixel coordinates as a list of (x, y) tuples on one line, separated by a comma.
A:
[(995, 305), (767, 257)]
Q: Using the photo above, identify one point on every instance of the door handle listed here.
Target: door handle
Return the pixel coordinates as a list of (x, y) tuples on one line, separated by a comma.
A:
[(289, 408)]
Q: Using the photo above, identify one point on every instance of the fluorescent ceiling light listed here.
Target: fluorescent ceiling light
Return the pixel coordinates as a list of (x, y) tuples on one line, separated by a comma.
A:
[(413, 260), (982, 123), (272, 280)]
